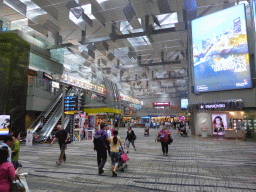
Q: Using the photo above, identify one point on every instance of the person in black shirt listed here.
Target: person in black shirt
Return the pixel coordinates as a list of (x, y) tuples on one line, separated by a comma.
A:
[(62, 136), (131, 138)]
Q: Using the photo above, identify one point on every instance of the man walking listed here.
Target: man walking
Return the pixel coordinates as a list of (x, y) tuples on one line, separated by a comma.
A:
[(100, 145), (62, 136)]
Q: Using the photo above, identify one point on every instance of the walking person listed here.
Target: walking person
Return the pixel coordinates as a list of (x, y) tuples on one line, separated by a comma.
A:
[(62, 136), (115, 143), (16, 151), (164, 135), (7, 171), (131, 138), (100, 145), (8, 142)]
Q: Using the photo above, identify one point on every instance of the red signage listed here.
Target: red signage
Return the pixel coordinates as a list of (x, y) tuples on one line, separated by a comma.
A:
[(161, 104)]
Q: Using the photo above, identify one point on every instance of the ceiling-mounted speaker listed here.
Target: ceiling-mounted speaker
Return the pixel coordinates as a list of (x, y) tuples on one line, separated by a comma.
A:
[(75, 8), (110, 56), (163, 6), (91, 47), (129, 12), (51, 27)]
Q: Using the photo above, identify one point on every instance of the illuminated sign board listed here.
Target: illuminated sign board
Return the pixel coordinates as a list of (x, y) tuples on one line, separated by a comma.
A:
[(213, 106), (220, 51), (163, 103)]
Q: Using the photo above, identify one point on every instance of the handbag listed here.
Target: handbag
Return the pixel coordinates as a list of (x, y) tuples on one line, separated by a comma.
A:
[(170, 140), (17, 185), (135, 137), (124, 158)]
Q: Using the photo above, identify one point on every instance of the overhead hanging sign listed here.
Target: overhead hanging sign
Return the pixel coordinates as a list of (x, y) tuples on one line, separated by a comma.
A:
[(162, 104)]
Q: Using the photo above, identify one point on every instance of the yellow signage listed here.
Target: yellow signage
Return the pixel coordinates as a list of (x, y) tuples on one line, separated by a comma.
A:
[(102, 110)]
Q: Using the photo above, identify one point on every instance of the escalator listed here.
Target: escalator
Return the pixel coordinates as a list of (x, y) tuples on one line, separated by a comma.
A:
[(46, 114), (52, 119)]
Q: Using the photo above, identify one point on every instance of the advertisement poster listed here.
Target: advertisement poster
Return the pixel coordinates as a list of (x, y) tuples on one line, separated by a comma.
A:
[(129, 111), (4, 124), (184, 103), (220, 51), (219, 124)]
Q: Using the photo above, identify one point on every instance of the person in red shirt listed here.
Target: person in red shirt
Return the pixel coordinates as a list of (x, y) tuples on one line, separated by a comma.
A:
[(7, 171), (164, 135)]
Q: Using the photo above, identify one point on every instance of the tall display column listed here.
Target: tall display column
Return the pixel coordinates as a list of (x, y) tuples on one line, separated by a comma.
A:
[(14, 64)]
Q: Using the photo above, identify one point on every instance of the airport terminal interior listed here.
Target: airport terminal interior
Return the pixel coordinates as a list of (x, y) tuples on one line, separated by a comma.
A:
[(176, 79)]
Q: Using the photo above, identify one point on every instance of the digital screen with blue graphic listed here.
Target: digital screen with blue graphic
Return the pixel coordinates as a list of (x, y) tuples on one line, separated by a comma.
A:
[(71, 103), (220, 51)]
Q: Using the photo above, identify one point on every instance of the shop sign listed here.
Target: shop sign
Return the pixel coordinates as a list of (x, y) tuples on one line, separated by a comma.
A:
[(213, 106), (47, 76), (163, 103)]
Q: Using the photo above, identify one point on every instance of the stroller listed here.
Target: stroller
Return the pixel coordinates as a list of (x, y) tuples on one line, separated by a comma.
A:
[(122, 159)]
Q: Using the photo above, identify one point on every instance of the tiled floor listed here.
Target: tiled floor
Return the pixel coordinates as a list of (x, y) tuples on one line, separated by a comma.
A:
[(193, 164)]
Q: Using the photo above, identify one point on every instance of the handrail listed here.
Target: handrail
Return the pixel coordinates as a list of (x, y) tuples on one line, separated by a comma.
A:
[(45, 114)]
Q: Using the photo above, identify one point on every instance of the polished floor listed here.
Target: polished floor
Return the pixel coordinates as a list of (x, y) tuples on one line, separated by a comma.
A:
[(193, 164)]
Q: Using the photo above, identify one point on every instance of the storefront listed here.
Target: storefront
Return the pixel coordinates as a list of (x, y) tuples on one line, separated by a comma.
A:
[(225, 118), (108, 116)]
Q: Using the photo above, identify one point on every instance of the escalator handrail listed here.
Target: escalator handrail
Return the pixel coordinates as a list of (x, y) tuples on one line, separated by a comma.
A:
[(45, 113)]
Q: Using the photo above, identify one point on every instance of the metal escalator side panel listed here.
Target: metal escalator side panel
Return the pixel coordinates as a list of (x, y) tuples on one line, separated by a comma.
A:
[(52, 121), (66, 121), (37, 122)]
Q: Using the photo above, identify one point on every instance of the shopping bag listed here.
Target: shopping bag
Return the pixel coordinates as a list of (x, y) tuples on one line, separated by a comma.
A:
[(17, 185), (124, 158), (170, 140)]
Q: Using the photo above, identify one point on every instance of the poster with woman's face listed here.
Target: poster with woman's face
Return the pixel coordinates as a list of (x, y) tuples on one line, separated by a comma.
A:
[(219, 124), (4, 124)]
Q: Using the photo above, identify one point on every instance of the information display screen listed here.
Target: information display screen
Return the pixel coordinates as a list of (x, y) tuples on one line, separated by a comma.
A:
[(220, 51), (184, 103), (5, 124)]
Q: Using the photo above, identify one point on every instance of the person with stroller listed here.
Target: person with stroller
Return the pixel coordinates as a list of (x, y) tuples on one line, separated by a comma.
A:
[(164, 136), (115, 142), (131, 138)]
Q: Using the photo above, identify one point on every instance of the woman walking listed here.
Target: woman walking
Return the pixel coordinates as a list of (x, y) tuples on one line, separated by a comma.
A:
[(7, 171), (115, 142), (164, 135), (131, 138)]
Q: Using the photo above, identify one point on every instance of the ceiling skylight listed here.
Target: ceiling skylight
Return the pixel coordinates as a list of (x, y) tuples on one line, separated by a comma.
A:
[(138, 41), (167, 20), (88, 10), (101, 1)]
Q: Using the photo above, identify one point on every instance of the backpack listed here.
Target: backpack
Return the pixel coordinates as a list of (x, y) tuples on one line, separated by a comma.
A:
[(99, 141)]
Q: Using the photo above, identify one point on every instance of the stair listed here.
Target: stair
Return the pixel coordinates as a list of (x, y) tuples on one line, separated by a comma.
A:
[(50, 114)]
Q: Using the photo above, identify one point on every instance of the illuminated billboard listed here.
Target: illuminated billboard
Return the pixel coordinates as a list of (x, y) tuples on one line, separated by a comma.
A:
[(184, 103), (5, 124), (220, 51)]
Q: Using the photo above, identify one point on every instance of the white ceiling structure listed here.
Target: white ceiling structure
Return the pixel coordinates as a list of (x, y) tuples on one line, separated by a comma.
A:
[(144, 51)]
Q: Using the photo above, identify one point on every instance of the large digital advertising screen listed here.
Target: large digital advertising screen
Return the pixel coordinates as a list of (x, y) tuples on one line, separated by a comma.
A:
[(220, 51), (219, 124), (5, 124)]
